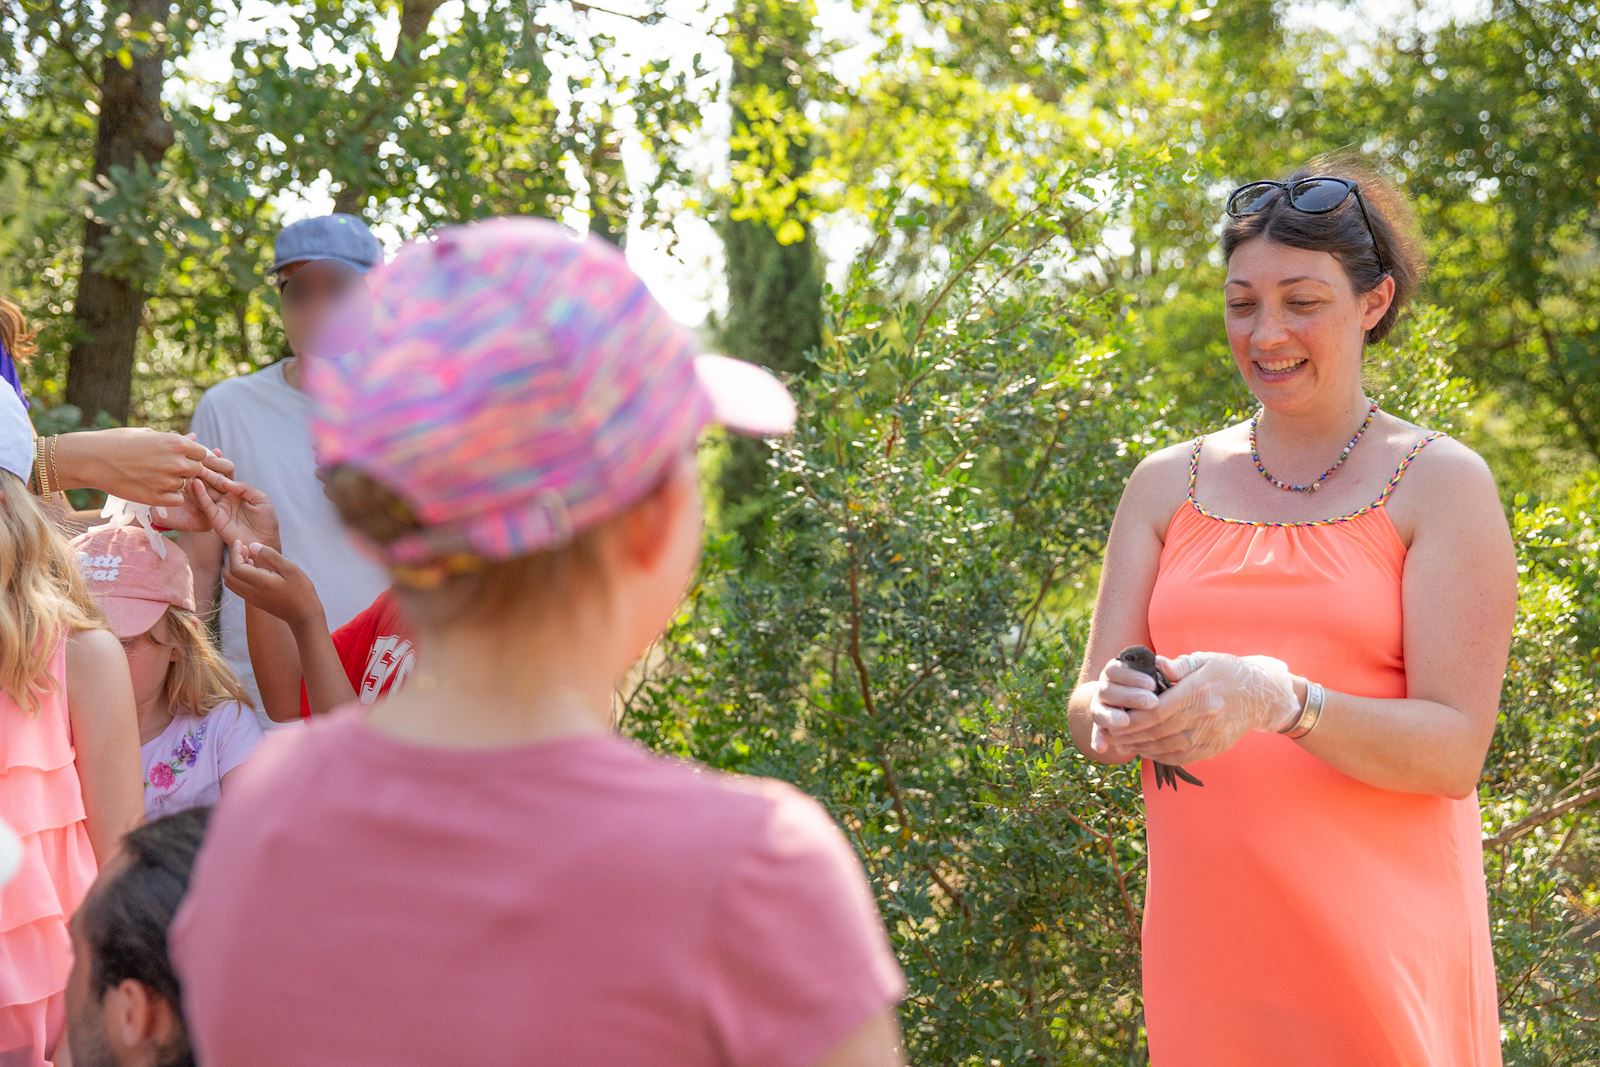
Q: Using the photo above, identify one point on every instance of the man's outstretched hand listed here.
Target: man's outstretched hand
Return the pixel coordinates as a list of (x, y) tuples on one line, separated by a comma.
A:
[(236, 511)]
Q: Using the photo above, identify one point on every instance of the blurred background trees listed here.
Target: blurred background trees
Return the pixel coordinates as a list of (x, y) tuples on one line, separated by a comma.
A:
[(980, 237)]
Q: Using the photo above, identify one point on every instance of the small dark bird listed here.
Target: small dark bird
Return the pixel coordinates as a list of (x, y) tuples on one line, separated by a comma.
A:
[(1143, 660)]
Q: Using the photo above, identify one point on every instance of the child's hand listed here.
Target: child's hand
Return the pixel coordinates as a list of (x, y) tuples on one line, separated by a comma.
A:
[(186, 516), (236, 511), (266, 578)]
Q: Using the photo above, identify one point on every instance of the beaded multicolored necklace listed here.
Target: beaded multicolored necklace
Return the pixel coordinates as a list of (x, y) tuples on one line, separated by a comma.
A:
[(1311, 487)]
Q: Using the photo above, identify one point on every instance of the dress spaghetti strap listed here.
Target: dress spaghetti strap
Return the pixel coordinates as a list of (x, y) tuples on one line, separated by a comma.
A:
[(1405, 464), (1194, 467)]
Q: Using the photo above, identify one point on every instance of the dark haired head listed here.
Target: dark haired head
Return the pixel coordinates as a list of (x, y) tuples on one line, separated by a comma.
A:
[(1343, 233), (124, 920)]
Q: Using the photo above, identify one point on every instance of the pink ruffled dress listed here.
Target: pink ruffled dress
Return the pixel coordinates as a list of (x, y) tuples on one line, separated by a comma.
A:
[(42, 800)]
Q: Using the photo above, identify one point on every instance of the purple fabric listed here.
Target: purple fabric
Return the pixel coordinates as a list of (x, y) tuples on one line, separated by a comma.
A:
[(8, 371)]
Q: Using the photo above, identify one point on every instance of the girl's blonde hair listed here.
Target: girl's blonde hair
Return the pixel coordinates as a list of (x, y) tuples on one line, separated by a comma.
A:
[(14, 332), (199, 679), (43, 595)]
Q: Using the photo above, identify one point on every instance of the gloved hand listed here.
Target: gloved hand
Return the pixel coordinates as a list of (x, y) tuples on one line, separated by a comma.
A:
[(1222, 698), (1121, 689), (1143, 660)]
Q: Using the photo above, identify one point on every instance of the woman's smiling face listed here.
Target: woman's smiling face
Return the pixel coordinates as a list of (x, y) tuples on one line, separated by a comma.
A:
[(1295, 324)]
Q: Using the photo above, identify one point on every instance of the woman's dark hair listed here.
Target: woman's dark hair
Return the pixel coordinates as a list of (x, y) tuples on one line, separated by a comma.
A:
[(1342, 233), (124, 920)]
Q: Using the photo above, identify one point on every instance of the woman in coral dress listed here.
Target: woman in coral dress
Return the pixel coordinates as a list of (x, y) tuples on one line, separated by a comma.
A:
[(1332, 590)]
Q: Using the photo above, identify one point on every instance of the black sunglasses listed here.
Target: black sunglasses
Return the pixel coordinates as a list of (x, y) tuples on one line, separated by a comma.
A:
[(1310, 196)]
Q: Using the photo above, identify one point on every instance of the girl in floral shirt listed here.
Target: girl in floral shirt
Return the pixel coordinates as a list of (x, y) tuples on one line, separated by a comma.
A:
[(195, 726)]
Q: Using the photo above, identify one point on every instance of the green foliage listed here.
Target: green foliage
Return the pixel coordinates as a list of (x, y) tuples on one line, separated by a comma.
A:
[(1543, 853), (774, 315), (1501, 121), (892, 653), (1035, 308), (411, 114)]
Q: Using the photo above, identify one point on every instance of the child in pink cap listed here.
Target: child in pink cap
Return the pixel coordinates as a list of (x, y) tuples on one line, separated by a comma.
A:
[(195, 725), (479, 869)]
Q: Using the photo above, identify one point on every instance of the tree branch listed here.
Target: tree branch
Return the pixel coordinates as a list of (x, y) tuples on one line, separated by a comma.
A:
[(1105, 838), (1532, 822), (891, 782)]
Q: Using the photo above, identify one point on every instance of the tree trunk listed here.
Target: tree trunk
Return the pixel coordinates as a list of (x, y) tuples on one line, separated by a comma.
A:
[(110, 308), (774, 290), (400, 76), (608, 205)]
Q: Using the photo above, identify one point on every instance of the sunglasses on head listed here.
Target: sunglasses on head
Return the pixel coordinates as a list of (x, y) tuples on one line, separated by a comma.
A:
[(1309, 196)]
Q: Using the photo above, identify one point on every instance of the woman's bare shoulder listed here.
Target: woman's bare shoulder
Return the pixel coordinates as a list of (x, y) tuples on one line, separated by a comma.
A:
[(1449, 464), (1161, 470), (1156, 487), (1445, 480)]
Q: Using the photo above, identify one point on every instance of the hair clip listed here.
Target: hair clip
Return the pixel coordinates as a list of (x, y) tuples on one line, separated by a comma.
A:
[(434, 573), (118, 512)]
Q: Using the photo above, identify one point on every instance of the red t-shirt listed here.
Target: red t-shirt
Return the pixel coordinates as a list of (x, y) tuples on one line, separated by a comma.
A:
[(376, 650), (578, 902)]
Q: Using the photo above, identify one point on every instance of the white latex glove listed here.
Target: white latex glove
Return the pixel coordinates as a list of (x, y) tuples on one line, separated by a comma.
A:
[(1216, 698), (1119, 688)]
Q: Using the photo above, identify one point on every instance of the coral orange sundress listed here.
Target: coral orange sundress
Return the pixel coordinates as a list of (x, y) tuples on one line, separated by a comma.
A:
[(1295, 915)]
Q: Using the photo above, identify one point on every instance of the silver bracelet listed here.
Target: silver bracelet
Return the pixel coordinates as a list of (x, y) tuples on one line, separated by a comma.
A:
[(1316, 697)]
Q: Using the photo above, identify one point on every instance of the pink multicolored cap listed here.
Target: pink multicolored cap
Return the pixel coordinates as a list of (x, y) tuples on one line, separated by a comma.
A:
[(133, 584), (515, 384)]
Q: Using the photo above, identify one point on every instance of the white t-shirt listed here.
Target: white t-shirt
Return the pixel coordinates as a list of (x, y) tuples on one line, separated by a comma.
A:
[(184, 765), (263, 424)]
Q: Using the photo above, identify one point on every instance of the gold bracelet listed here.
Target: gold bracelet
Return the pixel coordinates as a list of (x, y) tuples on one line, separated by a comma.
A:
[(55, 475), (41, 471)]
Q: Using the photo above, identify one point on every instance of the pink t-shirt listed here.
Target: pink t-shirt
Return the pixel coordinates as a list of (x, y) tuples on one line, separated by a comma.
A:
[(363, 900)]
